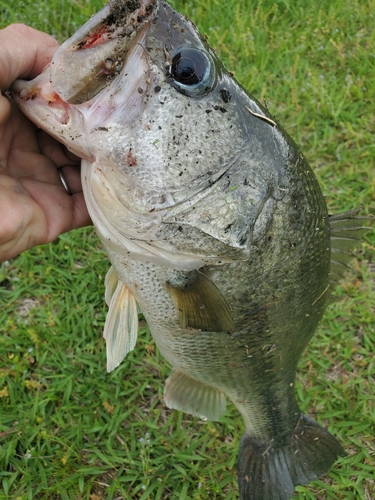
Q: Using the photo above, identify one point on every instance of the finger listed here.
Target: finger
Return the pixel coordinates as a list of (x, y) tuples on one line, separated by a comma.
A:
[(24, 52), (20, 152), (67, 162), (23, 223), (5, 110), (62, 212), (23, 163), (36, 213), (29, 152), (55, 151), (72, 175), (81, 217), (5, 133)]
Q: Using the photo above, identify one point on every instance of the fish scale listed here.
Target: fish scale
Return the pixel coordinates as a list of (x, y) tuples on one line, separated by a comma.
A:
[(214, 223)]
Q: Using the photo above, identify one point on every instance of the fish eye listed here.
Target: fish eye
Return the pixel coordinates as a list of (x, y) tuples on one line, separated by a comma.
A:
[(192, 71), (189, 66)]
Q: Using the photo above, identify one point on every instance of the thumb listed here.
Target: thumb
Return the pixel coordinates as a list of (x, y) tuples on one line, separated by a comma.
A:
[(24, 52)]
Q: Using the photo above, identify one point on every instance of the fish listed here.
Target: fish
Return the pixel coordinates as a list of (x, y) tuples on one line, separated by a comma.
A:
[(214, 223)]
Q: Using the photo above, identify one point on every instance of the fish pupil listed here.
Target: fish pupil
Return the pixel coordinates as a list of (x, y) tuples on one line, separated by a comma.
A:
[(189, 67)]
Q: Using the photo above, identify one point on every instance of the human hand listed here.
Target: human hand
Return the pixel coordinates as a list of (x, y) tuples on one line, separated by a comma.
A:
[(34, 205)]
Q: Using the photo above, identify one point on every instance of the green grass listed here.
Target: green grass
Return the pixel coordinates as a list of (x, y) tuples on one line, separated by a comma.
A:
[(68, 430)]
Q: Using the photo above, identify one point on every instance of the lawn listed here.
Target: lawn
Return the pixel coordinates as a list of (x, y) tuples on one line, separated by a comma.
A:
[(69, 430)]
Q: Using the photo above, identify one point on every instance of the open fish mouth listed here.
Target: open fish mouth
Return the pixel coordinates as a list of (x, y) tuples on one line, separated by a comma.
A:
[(99, 48), (95, 55), (103, 61)]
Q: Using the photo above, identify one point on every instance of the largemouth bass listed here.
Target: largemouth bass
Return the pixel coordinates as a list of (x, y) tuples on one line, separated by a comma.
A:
[(213, 221)]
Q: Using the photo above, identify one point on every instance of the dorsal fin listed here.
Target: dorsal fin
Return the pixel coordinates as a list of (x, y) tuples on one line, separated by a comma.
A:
[(347, 230)]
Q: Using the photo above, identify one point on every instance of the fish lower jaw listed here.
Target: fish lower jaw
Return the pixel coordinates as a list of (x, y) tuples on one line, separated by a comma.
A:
[(42, 94)]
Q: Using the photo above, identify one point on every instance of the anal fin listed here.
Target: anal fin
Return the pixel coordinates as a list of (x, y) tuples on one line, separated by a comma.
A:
[(201, 304), (121, 324), (192, 396)]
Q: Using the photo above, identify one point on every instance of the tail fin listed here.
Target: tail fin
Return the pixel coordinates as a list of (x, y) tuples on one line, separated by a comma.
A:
[(270, 471)]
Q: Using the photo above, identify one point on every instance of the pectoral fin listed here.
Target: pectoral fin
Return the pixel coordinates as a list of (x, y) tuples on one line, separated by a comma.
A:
[(121, 325), (201, 305), (110, 283), (192, 396), (347, 230)]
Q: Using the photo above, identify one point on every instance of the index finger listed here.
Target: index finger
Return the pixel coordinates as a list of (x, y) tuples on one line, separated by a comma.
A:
[(24, 52)]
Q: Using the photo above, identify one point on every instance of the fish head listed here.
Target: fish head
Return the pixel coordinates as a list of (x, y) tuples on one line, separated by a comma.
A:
[(172, 139), (80, 90)]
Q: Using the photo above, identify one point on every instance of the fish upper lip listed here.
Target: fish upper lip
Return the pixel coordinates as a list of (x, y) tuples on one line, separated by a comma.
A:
[(40, 89), (105, 37), (110, 33), (88, 61)]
